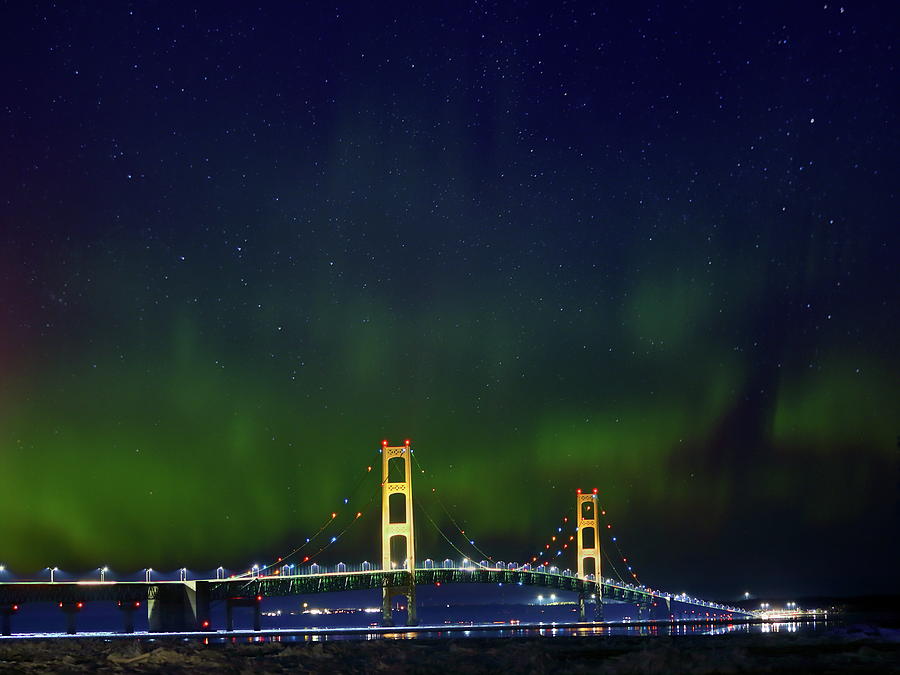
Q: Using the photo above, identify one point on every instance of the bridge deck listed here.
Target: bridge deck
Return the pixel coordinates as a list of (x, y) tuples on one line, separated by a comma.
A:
[(327, 582)]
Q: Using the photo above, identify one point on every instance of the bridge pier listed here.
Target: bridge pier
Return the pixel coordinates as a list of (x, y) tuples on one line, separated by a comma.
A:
[(71, 609), (6, 612), (598, 607), (254, 602), (387, 616), (387, 595), (178, 607), (127, 608)]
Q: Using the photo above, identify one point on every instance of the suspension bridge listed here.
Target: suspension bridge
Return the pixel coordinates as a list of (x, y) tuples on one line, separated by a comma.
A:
[(183, 605)]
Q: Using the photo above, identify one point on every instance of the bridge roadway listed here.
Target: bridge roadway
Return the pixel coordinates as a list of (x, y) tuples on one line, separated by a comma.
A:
[(184, 605)]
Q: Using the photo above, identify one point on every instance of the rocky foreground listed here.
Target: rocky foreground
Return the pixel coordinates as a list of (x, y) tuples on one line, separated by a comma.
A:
[(865, 650)]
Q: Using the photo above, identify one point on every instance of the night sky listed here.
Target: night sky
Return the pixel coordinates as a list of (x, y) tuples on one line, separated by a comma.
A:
[(649, 249)]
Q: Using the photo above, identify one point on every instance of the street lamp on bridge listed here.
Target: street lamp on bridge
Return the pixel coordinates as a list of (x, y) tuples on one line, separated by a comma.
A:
[(53, 570), (103, 571), (147, 574)]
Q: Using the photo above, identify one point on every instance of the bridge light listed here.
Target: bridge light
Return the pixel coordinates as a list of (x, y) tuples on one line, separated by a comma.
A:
[(79, 605), (259, 598), (15, 608), (384, 442), (406, 442), (358, 514), (205, 624), (368, 468), (595, 490), (333, 515), (578, 491)]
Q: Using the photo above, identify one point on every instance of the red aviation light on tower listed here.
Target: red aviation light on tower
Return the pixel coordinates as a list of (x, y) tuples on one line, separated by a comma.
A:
[(384, 442), (595, 490), (578, 491), (406, 442)]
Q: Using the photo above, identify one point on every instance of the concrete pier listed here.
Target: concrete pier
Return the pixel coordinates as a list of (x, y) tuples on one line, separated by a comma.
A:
[(178, 607), (71, 609), (254, 602)]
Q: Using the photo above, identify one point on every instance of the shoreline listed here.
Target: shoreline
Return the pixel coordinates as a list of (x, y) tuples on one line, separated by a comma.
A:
[(857, 649)]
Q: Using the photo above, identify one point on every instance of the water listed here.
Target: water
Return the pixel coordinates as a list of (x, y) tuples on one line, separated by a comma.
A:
[(319, 634), (523, 630), (441, 614), (347, 626)]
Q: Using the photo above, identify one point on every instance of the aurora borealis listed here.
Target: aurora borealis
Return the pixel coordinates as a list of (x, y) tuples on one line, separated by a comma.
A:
[(651, 250)]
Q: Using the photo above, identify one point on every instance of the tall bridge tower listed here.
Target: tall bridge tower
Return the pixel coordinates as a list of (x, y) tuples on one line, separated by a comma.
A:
[(589, 545), (397, 523)]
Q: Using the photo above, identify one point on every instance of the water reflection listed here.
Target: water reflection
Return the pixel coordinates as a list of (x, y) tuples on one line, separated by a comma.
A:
[(536, 630), (469, 630)]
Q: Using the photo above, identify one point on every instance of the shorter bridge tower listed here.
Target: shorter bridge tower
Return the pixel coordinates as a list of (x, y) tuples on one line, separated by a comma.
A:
[(589, 545), (400, 575)]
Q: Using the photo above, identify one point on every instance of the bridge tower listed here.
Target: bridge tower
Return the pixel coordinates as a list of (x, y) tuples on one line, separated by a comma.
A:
[(396, 487), (589, 545)]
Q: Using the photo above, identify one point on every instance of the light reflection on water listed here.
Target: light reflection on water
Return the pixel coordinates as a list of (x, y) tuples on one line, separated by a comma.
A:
[(459, 632), (581, 630)]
